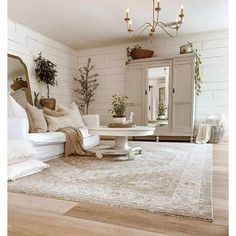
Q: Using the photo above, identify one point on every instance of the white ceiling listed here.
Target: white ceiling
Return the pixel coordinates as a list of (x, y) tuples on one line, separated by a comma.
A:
[(83, 24)]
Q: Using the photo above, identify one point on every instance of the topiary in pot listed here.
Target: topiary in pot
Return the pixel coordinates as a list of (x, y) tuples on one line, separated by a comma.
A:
[(46, 72)]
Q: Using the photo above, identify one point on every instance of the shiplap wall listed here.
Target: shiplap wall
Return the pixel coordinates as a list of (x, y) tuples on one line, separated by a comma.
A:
[(26, 44), (213, 47), (110, 64)]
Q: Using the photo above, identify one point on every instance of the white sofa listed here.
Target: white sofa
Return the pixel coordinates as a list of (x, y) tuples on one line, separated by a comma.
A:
[(48, 145)]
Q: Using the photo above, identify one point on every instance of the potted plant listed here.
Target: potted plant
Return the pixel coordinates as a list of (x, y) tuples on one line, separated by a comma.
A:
[(87, 86), (18, 83), (46, 72), (137, 52), (119, 105), (162, 111)]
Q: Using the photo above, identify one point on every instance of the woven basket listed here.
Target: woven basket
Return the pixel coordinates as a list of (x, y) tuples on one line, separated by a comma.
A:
[(141, 53), (48, 103)]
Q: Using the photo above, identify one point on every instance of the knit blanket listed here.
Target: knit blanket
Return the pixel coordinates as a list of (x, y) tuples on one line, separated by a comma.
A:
[(74, 142)]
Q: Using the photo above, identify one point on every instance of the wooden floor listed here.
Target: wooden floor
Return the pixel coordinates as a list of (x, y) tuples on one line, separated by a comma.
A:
[(29, 215)]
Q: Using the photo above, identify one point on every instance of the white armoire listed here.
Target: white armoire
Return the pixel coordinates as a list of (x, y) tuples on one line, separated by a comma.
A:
[(161, 94)]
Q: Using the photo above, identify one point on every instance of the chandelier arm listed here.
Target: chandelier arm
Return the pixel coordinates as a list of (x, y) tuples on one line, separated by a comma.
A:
[(147, 24), (163, 25), (163, 28), (144, 29)]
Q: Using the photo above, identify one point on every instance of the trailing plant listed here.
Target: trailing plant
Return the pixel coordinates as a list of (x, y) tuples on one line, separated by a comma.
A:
[(119, 105), (46, 72), (197, 76), (128, 52), (87, 86)]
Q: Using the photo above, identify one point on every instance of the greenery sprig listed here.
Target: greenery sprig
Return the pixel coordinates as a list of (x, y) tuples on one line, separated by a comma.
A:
[(128, 53), (197, 76)]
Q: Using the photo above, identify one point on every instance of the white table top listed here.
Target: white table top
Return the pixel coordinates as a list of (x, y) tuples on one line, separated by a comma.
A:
[(132, 131)]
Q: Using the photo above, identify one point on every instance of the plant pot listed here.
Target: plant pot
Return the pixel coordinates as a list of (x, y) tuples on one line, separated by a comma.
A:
[(48, 103), (162, 117), (141, 53), (18, 85), (119, 119)]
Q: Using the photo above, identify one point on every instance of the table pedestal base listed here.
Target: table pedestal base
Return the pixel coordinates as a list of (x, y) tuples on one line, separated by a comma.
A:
[(120, 150)]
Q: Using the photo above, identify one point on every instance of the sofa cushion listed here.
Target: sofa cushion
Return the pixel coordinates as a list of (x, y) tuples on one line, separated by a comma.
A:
[(41, 139), (55, 123), (38, 123), (74, 114)]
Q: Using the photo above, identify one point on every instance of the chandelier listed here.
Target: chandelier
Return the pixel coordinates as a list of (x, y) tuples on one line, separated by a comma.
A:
[(170, 28)]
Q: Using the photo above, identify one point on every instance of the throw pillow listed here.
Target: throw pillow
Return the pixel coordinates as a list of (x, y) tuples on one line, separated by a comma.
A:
[(16, 110), (19, 151), (25, 168), (55, 113), (74, 114), (55, 123), (36, 118)]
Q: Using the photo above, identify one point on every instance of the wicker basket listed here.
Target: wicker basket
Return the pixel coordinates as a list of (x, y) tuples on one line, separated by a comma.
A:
[(18, 85), (48, 103), (141, 53)]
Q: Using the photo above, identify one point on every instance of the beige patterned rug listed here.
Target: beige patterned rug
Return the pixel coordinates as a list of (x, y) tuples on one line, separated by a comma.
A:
[(169, 178)]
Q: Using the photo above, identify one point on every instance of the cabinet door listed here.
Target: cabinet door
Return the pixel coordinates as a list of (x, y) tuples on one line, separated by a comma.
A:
[(135, 93), (183, 96)]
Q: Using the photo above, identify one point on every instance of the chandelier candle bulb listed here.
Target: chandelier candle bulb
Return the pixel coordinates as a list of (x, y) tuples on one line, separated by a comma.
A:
[(182, 10), (127, 13), (158, 3)]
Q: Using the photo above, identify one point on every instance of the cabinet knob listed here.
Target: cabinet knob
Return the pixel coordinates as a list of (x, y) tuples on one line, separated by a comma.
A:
[(173, 90)]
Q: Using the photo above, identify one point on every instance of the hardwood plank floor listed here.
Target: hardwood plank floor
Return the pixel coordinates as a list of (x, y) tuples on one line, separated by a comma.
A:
[(30, 215)]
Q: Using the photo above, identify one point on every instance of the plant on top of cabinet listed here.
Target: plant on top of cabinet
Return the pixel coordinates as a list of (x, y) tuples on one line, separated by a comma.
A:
[(87, 86), (46, 72), (137, 52), (188, 48)]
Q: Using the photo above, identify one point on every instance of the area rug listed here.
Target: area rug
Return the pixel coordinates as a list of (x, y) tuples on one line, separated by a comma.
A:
[(168, 178)]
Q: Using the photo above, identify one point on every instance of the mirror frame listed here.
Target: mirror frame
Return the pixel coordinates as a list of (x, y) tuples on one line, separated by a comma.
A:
[(26, 73)]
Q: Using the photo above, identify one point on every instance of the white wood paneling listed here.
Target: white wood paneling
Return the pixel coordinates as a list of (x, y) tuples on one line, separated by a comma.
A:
[(213, 47), (27, 43)]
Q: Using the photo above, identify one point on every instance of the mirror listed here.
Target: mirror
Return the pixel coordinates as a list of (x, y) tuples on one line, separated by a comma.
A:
[(158, 95), (18, 80)]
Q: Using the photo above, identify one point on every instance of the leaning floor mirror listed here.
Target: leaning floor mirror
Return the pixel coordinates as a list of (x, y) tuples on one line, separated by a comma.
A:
[(18, 80)]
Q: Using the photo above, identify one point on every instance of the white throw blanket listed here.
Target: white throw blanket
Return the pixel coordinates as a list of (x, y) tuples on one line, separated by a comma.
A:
[(204, 134)]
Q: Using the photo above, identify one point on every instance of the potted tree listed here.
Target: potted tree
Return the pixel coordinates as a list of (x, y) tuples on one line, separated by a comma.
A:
[(87, 86), (162, 111), (119, 105), (46, 72)]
